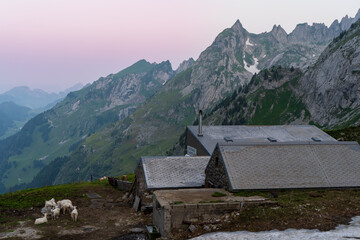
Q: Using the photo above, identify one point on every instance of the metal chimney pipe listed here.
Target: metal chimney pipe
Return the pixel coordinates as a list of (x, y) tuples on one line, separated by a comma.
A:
[(200, 134)]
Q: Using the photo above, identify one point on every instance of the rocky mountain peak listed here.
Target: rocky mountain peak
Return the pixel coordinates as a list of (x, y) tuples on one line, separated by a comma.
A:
[(357, 16), (185, 65), (346, 23), (238, 27), (279, 33)]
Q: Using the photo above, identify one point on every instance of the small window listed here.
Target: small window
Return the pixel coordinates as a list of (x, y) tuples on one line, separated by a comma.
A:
[(316, 139), (271, 139), (216, 161)]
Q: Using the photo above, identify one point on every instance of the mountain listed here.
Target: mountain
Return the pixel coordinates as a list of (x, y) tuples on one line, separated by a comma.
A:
[(319, 33), (58, 131), (38, 100), (34, 99), (154, 127), (74, 88), (327, 94), (167, 105), (11, 117)]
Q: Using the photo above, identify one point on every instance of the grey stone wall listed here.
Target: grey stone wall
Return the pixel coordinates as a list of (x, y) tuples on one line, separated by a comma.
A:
[(215, 172), (200, 212), (124, 185), (162, 217), (168, 218), (193, 142)]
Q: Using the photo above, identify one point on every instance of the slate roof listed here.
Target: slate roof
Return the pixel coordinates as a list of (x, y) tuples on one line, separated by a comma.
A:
[(291, 165), (174, 172), (253, 134)]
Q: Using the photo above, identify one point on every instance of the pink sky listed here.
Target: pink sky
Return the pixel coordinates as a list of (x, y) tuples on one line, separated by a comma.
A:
[(53, 44)]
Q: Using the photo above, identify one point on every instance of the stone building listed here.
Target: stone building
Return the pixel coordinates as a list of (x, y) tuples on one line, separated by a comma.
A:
[(284, 165)]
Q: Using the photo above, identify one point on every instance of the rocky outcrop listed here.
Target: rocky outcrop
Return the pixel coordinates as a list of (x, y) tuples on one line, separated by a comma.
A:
[(185, 65), (279, 34), (318, 33), (331, 89)]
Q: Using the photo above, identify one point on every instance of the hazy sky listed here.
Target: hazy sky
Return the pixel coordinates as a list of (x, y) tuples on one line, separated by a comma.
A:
[(53, 44)]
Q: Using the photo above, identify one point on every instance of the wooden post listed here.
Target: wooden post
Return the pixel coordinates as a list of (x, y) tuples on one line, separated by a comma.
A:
[(91, 178), (11, 192), (73, 180)]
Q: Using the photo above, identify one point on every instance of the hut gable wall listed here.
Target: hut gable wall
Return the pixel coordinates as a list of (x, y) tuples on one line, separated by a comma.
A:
[(215, 172), (192, 141)]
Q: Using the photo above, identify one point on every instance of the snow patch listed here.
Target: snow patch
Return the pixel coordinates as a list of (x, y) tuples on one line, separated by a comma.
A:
[(76, 105), (253, 68), (63, 141), (43, 158), (248, 43), (351, 231)]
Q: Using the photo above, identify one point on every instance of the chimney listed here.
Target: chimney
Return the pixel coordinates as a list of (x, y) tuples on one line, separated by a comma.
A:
[(200, 134)]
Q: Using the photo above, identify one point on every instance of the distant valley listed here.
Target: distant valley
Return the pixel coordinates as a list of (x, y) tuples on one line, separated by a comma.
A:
[(20, 104)]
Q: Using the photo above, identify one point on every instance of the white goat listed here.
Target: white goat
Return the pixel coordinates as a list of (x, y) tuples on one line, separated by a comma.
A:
[(67, 206), (74, 214), (41, 220), (50, 204), (63, 204), (55, 212)]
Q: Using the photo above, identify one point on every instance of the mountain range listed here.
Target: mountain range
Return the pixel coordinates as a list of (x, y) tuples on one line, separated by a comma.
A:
[(20, 104), (36, 98), (142, 110)]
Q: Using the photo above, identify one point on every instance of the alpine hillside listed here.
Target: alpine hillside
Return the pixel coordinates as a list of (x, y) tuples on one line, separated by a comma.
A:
[(12, 117), (58, 131)]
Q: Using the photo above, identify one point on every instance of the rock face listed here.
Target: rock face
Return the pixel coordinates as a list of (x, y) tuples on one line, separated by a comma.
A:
[(319, 33), (331, 89), (327, 94), (185, 65)]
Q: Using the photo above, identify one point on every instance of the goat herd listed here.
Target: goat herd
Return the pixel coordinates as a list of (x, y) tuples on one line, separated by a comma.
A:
[(54, 209)]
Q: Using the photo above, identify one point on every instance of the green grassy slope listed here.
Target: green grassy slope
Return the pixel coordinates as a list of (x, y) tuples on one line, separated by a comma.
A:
[(60, 130), (268, 99), (12, 116), (117, 150)]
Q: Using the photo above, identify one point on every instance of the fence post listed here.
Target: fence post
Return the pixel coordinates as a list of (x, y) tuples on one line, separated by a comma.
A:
[(91, 178)]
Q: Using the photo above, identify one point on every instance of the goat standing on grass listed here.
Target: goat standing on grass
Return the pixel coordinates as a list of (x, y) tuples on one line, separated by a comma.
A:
[(74, 214), (55, 212), (65, 204), (41, 220), (50, 204)]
